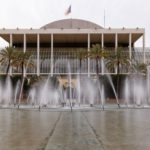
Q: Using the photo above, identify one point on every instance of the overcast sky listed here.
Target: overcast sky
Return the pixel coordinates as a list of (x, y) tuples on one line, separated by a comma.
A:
[(36, 13)]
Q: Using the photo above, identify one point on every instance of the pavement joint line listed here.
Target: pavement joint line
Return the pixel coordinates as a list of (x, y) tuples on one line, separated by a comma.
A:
[(94, 131), (46, 140)]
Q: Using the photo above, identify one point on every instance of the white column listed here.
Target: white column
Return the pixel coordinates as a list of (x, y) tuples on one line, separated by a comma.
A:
[(116, 41), (88, 57), (24, 43), (144, 57), (102, 60), (116, 47), (38, 54), (52, 54), (102, 41), (11, 44), (24, 50), (130, 46), (11, 40)]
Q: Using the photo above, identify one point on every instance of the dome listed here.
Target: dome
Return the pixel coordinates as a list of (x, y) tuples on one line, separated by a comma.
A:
[(71, 24)]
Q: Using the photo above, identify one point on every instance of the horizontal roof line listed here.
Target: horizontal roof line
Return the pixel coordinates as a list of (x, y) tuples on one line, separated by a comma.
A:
[(71, 31)]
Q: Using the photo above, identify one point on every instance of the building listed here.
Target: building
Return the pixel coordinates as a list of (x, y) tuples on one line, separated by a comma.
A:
[(55, 44)]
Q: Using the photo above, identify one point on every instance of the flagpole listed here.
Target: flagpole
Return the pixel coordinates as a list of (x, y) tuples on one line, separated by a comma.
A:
[(71, 9), (71, 14), (104, 18)]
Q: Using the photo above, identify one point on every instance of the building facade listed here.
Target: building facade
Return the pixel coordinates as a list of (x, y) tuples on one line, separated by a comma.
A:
[(55, 45)]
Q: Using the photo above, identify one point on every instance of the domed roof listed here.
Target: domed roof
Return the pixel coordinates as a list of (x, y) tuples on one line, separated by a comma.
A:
[(71, 24)]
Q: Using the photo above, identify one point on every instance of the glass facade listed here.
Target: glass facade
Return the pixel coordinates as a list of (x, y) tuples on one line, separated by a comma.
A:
[(64, 56)]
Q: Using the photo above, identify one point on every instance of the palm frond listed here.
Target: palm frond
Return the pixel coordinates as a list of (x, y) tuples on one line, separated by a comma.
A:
[(118, 58)]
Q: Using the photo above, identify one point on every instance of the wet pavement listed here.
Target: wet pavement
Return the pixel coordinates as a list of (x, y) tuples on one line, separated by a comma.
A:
[(80, 130)]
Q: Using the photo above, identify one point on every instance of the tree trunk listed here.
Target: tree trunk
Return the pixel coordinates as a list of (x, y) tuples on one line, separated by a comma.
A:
[(80, 66), (97, 66), (118, 71), (80, 78), (22, 79), (8, 68), (22, 65)]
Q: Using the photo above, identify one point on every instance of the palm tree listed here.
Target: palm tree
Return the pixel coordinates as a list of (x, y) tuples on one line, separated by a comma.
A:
[(140, 67), (23, 60), (7, 57), (81, 55), (97, 52), (118, 59)]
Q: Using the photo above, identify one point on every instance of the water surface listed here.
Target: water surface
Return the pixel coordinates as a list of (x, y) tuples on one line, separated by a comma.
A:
[(80, 130)]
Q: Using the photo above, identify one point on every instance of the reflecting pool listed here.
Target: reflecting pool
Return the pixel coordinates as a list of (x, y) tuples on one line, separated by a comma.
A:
[(118, 129)]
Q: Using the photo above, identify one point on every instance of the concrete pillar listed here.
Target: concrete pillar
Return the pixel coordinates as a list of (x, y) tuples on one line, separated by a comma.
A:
[(52, 54), (88, 57), (130, 45), (11, 40), (24, 43), (102, 60), (144, 56), (24, 50), (11, 44), (116, 42), (38, 54), (116, 47), (102, 41)]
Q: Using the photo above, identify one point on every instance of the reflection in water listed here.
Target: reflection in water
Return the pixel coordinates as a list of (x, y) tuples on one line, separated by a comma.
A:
[(113, 129)]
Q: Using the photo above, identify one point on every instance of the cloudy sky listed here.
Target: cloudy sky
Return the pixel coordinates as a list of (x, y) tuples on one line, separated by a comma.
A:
[(36, 13)]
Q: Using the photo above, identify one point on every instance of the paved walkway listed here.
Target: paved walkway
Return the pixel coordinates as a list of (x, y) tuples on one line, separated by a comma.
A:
[(73, 133), (88, 130)]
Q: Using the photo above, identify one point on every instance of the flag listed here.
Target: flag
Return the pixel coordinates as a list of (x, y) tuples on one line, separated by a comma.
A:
[(68, 11)]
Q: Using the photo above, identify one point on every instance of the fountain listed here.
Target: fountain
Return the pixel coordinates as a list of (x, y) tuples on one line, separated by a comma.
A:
[(6, 97), (102, 97), (86, 93), (16, 92), (112, 85), (126, 92)]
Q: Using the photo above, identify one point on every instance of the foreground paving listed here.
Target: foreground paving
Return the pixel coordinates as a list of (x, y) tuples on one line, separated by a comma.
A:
[(73, 133), (122, 130), (88, 130), (25, 130)]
